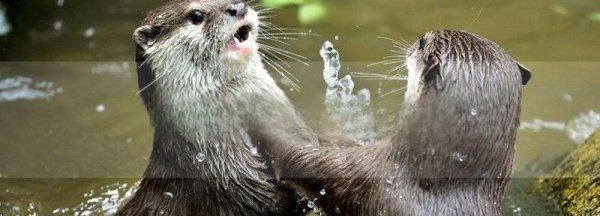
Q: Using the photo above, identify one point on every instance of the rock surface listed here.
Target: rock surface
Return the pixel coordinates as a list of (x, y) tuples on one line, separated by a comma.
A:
[(575, 184)]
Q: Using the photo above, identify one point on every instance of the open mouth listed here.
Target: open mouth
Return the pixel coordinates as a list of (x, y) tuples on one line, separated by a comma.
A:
[(243, 33), (241, 42)]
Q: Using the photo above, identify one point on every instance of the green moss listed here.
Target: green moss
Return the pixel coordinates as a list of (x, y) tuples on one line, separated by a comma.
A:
[(575, 184)]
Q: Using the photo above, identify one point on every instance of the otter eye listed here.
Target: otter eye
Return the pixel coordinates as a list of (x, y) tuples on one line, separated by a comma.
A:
[(197, 17)]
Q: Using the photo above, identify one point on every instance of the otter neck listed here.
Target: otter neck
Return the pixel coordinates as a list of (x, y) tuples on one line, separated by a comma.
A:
[(202, 122), (475, 137)]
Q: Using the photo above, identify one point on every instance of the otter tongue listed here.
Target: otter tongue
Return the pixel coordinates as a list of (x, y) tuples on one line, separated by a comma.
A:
[(235, 44)]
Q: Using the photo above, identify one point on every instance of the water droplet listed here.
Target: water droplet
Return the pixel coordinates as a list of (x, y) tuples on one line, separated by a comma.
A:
[(310, 204), (327, 46), (337, 210), (162, 212), (567, 97), (89, 32), (200, 157), (459, 156), (473, 111), (322, 192), (168, 195), (337, 37), (58, 25), (60, 3), (364, 95), (390, 179), (517, 209), (100, 108)]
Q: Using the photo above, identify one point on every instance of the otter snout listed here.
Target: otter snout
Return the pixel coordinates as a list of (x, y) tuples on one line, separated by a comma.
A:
[(237, 9)]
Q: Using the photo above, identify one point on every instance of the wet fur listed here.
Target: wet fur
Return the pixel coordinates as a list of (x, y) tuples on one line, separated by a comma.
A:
[(201, 102), (453, 150)]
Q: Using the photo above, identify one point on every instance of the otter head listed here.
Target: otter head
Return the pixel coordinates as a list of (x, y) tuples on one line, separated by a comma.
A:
[(464, 92), (209, 42), (443, 58)]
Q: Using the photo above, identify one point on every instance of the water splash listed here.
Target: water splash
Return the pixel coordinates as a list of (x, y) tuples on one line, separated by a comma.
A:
[(458, 156), (583, 126), (5, 26), (200, 157), (351, 114), (311, 203), (106, 202), (23, 88), (577, 129), (331, 61)]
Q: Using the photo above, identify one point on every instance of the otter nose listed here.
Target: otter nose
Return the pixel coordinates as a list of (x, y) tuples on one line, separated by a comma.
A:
[(237, 9)]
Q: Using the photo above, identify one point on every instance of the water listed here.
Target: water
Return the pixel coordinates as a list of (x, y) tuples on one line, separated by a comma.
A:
[(348, 113), (56, 149)]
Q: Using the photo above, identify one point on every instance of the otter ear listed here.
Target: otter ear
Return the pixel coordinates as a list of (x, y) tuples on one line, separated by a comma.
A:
[(433, 75), (525, 73), (144, 36)]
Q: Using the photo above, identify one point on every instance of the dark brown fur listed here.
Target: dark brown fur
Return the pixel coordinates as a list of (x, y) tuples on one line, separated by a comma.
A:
[(452, 152)]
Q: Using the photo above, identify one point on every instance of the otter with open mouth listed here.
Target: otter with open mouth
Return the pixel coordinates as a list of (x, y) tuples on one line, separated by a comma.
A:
[(452, 152), (205, 88)]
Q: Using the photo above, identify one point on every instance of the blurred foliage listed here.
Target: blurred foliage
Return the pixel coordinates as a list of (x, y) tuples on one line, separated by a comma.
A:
[(309, 11), (594, 16)]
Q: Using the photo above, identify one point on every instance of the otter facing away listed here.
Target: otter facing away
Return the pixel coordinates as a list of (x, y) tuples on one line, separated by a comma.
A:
[(453, 150), (204, 86)]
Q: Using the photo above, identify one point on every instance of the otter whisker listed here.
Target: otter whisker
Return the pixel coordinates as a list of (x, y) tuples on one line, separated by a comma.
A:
[(279, 69), (399, 53), (385, 62), (282, 68), (374, 76), (397, 68), (475, 19), (260, 40), (151, 83), (393, 92), (289, 33), (276, 56), (276, 37), (401, 43), (288, 54)]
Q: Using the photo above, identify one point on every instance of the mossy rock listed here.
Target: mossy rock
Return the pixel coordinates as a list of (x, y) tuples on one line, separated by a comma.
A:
[(575, 183)]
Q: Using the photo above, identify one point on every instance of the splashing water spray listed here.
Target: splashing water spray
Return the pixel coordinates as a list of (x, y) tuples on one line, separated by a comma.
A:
[(351, 114)]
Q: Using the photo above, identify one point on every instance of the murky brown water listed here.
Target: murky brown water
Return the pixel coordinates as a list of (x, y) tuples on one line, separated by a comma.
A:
[(82, 138)]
